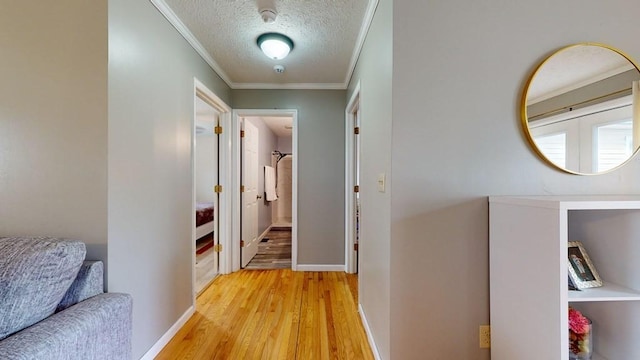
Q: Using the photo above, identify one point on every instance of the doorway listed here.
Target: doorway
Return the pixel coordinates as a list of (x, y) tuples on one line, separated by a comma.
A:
[(206, 181), (210, 173), (353, 209), (266, 150)]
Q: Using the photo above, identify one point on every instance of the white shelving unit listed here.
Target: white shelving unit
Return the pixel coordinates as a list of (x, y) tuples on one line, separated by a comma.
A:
[(528, 274)]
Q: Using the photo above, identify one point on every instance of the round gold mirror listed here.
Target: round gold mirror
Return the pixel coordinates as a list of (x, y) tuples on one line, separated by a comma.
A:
[(581, 109)]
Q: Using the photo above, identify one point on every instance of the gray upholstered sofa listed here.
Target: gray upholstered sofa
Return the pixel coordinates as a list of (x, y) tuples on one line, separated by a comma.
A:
[(52, 304)]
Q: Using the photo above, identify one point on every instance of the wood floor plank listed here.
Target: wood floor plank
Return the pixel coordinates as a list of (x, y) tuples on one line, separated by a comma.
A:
[(274, 314)]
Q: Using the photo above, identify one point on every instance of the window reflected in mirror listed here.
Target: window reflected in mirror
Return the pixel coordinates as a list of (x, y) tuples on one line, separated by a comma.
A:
[(578, 109)]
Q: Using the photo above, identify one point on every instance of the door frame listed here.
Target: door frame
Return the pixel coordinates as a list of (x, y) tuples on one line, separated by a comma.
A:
[(224, 175), (236, 181), (350, 255)]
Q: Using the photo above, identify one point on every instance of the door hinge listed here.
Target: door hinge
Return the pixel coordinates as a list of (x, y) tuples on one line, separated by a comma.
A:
[(356, 188), (218, 130), (241, 243), (356, 130), (217, 248), (217, 189), (241, 188), (355, 247), (241, 133)]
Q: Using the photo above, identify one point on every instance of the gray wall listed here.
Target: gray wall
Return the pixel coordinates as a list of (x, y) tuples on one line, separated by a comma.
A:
[(151, 107), (285, 144), (456, 91), (373, 71), (267, 142), (53, 121), (320, 166)]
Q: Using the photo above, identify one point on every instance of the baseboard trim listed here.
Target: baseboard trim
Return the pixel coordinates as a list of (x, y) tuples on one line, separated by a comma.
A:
[(308, 267), (164, 340), (367, 329), (264, 233)]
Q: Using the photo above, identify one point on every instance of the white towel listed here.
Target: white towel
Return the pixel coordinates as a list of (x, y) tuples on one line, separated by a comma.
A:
[(270, 183)]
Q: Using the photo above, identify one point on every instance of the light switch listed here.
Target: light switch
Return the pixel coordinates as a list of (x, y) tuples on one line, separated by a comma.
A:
[(381, 182)]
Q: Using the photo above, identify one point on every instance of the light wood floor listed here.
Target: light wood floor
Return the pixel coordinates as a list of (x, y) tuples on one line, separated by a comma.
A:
[(274, 314), (206, 268)]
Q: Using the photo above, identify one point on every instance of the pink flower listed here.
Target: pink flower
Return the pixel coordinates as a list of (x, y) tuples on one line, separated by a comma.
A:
[(578, 323)]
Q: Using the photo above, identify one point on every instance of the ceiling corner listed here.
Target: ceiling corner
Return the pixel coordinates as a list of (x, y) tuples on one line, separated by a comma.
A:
[(362, 36), (173, 19)]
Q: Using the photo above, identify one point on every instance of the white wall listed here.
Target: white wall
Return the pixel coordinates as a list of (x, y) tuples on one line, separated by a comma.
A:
[(151, 107), (373, 71), (458, 72), (53, 121), (320, 166), (283, 206)]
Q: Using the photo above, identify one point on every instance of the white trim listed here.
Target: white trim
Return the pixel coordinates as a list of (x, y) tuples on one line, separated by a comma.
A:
[(236, 199), (236, 182), (294, 194), (350, 265), (367, 329), (173, 330), (319, 267), (362, 36), (174, 20), (183, 30), (224, 208), (288, 86)]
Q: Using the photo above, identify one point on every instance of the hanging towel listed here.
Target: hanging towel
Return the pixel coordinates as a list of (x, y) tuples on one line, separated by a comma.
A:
[(270, 183)]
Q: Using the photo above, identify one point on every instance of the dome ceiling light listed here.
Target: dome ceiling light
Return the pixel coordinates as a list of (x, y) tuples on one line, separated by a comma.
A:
[(276, 46)]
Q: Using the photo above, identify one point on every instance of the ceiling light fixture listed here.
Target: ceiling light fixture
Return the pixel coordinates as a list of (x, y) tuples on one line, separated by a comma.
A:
[(275, 46)]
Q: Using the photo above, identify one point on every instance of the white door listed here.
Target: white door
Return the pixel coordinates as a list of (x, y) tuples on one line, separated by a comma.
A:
[(250, 195)]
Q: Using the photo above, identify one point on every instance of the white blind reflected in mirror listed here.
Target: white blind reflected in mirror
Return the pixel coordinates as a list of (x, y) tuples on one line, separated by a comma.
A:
[(554, 146), (595, 139), (614, 144)]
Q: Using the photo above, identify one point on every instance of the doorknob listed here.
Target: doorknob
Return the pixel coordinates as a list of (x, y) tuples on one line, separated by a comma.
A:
[(258, 196)]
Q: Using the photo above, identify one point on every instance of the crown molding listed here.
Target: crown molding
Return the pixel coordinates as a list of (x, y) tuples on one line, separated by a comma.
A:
[(173, 19), (289, 86), (362, 36)]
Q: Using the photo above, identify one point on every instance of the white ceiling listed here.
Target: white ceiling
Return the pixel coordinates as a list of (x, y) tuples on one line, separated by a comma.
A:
[(280, 125), (575, 67), (327, 36)]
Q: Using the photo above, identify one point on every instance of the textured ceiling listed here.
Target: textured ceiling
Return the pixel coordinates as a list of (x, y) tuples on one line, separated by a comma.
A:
[(574, 67), (325, 35)]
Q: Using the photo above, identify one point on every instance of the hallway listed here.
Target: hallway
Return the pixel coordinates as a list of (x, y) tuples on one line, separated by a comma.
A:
[(274, 314)]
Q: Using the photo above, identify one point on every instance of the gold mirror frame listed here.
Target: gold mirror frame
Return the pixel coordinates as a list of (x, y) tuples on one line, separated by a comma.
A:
[(566, 110)]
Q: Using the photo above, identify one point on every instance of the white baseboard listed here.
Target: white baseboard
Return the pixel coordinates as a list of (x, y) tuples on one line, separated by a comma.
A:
[(264, 233), (367, 329), (308, 267), (164, 340)]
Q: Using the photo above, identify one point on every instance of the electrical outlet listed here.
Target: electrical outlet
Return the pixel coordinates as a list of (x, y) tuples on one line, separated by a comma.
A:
[(485, 336)]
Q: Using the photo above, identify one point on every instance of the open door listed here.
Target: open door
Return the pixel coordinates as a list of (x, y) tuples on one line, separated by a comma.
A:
[(250, 196)]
